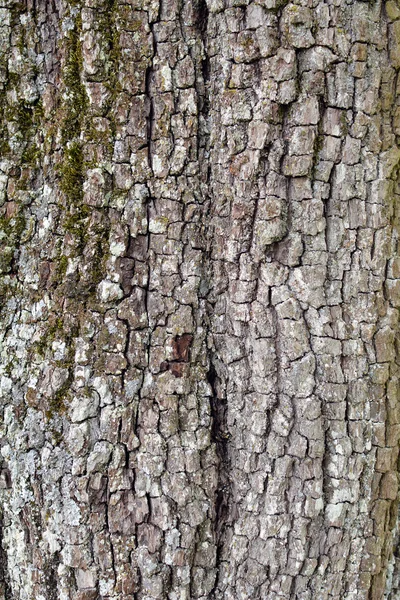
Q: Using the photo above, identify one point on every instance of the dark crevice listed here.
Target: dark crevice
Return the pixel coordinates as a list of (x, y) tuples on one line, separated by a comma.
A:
[(51, 577), (150, 116), (202, 24), (5, 587), (218, 403), (220, 437)]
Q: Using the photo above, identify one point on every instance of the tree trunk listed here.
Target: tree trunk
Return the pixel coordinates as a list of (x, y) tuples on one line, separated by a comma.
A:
[(199, 222)]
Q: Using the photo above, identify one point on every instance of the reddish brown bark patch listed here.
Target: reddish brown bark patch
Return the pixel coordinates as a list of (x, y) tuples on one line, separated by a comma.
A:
[(177, 368), (181, 347), (181, 354), (44, 272)]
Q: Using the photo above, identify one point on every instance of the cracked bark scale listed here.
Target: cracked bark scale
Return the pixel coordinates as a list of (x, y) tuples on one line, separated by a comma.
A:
[(199, 300)]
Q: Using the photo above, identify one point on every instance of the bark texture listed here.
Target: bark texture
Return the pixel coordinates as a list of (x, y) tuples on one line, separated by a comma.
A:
[(200, 283)]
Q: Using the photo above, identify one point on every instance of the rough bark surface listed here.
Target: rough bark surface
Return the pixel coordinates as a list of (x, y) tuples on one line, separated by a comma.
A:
[(200, 282)]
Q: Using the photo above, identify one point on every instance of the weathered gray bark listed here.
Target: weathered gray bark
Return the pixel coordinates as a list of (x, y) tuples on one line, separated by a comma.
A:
[(199, 299)]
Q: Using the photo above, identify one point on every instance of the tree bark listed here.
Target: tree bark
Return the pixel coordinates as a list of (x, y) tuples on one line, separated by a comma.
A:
[(200, 283)]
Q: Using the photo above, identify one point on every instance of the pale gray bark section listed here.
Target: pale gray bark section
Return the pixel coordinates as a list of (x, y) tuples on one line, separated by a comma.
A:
[(200, 282)]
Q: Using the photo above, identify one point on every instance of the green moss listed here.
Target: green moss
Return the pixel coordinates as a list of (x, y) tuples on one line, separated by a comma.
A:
[(73, 166), (62, 266), (318, 144), (8, 289), (6, 258), (77, 132), (11, 229), (279, 6), (21, 42), (247, 42), (17, 8), (13, 79), (52, 331), (39, 347), (31, 156), (57, 404), (76, 223), (72, 173), (98, 137), (26, 118), (77, 101), (344, 123), (136, 25), (100, 258), (23, 115), (23, 183), (4, 145)]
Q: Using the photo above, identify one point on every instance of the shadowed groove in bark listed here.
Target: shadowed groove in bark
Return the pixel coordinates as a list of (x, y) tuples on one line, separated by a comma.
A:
[(51, 577), (5, 588), (220, 437), (219, 430)]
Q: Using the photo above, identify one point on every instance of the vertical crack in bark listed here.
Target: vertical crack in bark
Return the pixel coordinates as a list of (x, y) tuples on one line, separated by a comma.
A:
[(219, 430), (5, 587), (220, 436)]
